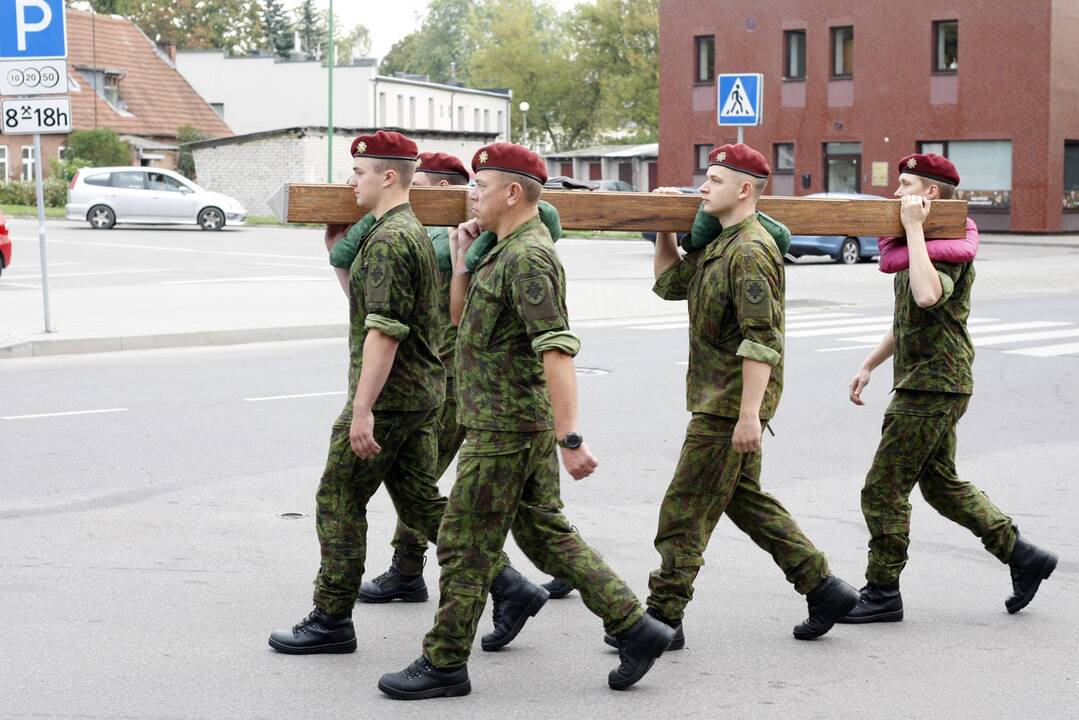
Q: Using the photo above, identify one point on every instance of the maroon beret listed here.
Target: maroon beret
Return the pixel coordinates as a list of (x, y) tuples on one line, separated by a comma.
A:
[(512, 158), (929, 165), (442, 164), (386, 145), (742, 158)]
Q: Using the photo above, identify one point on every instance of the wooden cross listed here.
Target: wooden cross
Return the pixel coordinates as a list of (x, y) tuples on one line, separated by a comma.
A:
[(582, 210)]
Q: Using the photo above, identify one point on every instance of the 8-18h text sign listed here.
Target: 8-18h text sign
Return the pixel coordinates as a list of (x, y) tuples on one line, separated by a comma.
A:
[(35, 115), (33, 47)]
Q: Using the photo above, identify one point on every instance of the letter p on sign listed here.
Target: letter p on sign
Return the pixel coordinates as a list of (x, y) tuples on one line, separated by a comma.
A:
[(23, 26)]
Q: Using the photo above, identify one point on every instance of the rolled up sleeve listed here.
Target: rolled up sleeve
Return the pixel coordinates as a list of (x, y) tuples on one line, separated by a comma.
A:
[(386, 326), (561, 340)]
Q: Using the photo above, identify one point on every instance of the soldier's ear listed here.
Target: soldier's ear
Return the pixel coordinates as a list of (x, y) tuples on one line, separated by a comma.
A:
[(515, 193)]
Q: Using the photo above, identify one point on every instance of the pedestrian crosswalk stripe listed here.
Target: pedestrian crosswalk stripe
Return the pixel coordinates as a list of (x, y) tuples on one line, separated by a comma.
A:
[(662, 326), (616, 322), (798, 324), (1047, 350), (1026, 337)]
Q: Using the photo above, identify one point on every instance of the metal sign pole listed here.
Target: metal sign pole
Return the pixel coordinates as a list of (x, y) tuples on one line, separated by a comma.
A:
[(741, 134), (41, 230)]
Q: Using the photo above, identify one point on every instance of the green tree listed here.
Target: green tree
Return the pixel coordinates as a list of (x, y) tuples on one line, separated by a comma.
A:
[(529, 48), (441, 48), (97, 148), (276, 28), (185, 162), (353, 45), (311, 28), (622, 48)]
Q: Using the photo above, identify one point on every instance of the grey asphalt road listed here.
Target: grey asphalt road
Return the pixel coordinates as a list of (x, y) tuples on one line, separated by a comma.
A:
[(144, 560)]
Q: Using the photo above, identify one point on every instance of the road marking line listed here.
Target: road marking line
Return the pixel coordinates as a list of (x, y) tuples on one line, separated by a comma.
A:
[(820, 332), (662, 326), (799, 317), (616, 322), (323, 265), (291, 397), (94, 274), (236, 253), (849, 347), (1026, 337), (5, 282), (266, 278), (797, 324), (1047, 350), (63, 414)]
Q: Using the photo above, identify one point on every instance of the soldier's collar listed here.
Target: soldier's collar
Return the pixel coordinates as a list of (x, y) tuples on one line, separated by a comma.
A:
[(517, 232), (728, 233)]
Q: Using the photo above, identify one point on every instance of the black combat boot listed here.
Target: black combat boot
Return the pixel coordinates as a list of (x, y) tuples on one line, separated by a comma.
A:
[(319, 632), (876, 603), (638, 648), (1029, 565), (829, 601), (396, 585), (515, 600), (422, 680), (677, 643), (557, 589)]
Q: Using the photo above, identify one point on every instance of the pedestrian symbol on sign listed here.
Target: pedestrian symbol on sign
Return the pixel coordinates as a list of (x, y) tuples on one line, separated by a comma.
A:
[(737, 103), (738, 98)]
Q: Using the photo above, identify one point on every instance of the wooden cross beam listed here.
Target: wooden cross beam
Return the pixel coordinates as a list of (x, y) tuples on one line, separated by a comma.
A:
[(582, 210)]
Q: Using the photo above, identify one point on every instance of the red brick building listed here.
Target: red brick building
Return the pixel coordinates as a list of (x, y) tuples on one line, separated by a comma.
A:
[(850, 87)]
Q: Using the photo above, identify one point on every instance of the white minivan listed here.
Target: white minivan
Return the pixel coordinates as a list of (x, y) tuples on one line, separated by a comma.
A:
[(108, 195)]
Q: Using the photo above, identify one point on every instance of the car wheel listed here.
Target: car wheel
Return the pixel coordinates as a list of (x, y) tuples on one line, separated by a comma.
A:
[(849, 252), (211, 219), (101, 217)]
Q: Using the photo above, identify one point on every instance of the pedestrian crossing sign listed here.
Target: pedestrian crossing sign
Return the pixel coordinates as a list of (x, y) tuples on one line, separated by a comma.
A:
[(738, 98)]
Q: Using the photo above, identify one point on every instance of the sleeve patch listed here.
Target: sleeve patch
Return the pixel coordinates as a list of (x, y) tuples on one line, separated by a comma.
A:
[(755, 291), (378, 282), (538, 297)]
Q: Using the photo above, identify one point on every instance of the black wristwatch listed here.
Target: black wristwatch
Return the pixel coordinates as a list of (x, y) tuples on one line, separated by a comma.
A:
[(571, 441)]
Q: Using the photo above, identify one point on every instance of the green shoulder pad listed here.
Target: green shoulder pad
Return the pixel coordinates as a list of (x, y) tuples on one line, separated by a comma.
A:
[(779, 232), (440, 238), (549, 216), (346, 249)]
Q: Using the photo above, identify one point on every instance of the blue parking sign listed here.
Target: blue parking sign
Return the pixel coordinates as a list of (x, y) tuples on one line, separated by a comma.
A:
[(32, 29), (739, 98)]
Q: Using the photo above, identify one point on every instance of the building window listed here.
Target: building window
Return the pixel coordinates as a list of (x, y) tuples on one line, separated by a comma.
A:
[(784, 158), (842, 52), (460, 117), (1071, 174), (841, 167), (412, 112), (487, 121), (986, 169), (476, 120), (501, 127), (382, 109), (794, 55), (218, 108), (704, 58), (595, 171), (567, 168), (27, 163), (431, 113), (700, 153), (399, 121), (3, 163), (946, 46)]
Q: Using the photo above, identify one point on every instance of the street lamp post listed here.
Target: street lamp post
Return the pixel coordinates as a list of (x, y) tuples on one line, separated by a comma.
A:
[(524, 118)]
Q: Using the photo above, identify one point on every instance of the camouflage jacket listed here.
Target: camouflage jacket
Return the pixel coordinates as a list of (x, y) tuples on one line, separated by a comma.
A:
[(933, 350), (515, 310), (394, 288), (735, 287), (447, 344)]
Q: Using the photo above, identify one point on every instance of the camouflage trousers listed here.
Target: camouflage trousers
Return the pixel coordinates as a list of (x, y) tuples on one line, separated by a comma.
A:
[(917, 447), (510, 481), (406, 465), (712, 479), (410, 544)]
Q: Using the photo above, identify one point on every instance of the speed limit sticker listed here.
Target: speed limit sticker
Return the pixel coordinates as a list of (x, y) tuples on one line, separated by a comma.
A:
[(33, 77)]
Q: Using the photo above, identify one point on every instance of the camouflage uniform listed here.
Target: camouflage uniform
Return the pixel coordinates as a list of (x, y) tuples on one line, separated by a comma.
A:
[(507, 472), (735, 287), (411, 544), (933, 383), (394, 290)]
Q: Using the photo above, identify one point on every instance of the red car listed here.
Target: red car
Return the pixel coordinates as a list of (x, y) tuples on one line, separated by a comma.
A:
[(5, 244)]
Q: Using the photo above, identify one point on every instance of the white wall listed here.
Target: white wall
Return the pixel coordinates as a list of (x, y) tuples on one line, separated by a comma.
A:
[(259, 94)]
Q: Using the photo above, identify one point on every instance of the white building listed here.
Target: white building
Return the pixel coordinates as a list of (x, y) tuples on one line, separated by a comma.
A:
[(251, 167), (258, 94)]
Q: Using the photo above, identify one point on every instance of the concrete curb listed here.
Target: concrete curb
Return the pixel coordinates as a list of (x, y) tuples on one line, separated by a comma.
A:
[(209, 338)]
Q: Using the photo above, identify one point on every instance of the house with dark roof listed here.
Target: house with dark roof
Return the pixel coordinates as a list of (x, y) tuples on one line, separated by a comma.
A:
[(118, 78)]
